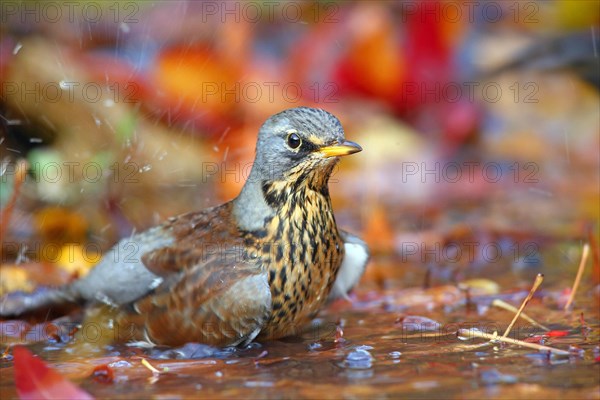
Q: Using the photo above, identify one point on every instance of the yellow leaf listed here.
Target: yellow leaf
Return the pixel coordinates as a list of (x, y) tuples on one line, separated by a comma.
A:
[(77, 259), (14, 278)]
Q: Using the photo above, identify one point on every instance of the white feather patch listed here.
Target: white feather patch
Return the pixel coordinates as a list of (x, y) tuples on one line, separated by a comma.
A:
[(351, 270)]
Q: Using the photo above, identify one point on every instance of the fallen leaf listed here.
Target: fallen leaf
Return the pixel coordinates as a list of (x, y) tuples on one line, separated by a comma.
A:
[(76, 259), (556, 333), (14, 278), (35, 380), (103, 374), (378, 232), (57, 224), (481, 287)]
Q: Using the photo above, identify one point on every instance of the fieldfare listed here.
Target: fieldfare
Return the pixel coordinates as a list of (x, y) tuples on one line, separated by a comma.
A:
[(261, 265)]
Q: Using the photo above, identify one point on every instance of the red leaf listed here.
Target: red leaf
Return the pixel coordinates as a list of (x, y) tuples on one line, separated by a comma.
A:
[(103, 374), (556, 333), (534, 339), (35, 380)]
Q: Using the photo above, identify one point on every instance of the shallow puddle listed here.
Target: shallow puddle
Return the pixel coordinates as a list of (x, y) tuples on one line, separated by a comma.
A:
[(372, 347)]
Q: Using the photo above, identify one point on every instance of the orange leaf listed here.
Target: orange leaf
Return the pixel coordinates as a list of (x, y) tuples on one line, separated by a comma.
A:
[(378, 232)]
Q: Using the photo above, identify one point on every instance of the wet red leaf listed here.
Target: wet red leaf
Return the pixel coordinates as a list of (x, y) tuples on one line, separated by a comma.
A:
[(35, 380), (535, 339), (103, 374), (557, 333)]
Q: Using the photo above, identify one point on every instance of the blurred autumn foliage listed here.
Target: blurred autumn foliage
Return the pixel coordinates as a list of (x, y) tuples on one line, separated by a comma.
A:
[(479, 121), (480, 124)]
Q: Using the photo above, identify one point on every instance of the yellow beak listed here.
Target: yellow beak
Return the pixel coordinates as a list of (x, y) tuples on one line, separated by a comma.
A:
[(342, 149)]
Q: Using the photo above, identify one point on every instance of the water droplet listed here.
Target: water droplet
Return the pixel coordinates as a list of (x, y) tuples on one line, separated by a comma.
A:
[(120, 364), (314, 346), (358, 359), (253, 345)]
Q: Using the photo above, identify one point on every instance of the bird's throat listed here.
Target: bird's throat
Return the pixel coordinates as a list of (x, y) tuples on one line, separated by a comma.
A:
[(305, 251)]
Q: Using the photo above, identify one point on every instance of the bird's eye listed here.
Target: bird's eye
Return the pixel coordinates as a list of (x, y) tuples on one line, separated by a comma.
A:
[(294, 141)]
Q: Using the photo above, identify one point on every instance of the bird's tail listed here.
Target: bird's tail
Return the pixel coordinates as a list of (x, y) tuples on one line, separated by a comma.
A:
[(19, 303)]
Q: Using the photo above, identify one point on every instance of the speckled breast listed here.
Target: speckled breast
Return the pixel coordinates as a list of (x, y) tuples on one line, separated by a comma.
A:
[(303, 251)]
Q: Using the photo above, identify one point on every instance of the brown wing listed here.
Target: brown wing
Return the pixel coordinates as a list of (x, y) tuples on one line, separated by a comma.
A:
[(212, 292)]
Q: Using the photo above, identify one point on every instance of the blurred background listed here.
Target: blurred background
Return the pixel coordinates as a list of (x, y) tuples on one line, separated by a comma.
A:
[(479, 123)]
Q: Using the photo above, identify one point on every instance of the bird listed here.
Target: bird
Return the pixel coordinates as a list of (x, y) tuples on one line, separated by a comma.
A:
[(260, 266)]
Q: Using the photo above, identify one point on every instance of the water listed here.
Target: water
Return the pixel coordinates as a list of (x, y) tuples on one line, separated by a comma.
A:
[(378, 357)]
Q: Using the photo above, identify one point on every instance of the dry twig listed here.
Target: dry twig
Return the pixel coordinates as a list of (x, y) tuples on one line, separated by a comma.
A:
[(584, 256), (494, 337), (147, 364), (538, 281), (509, 307)]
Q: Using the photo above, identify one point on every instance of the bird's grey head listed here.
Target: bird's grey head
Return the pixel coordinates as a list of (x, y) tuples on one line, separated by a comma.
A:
[(297, 146), (299, 140)]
